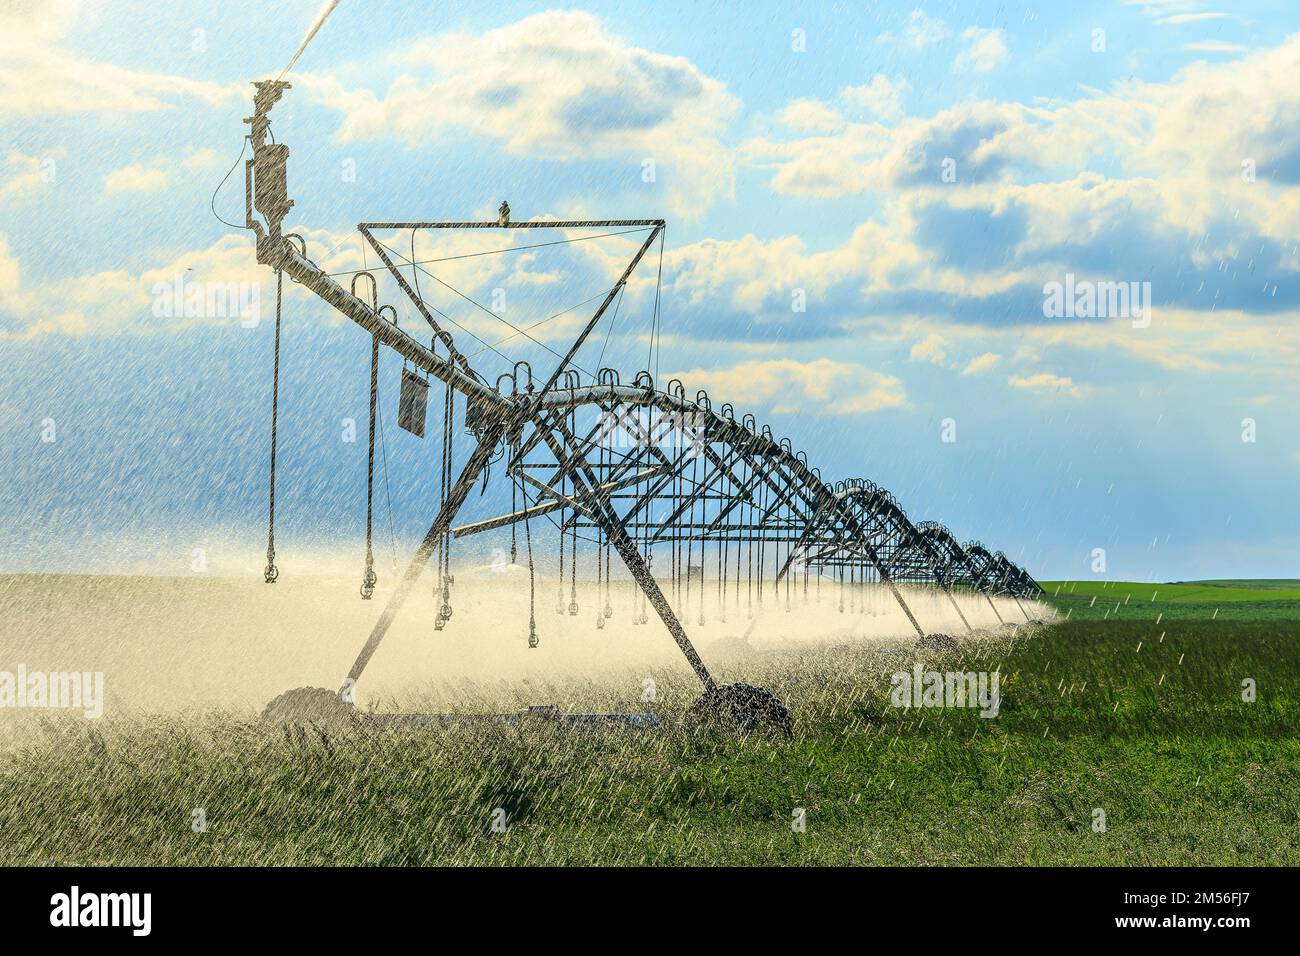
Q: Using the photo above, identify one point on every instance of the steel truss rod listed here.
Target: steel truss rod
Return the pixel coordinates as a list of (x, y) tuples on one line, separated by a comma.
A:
[(587, 486), (538, 510), (936, 569), (494, 431), (302, 270), (522, 224), (873, 557), (780, 499)]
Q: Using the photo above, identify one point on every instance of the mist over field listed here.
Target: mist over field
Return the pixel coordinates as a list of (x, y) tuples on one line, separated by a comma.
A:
[(172, 644)]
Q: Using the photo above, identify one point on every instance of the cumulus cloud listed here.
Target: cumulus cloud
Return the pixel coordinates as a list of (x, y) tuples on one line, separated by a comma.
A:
[(881, 97), (137, 178), (1192, 183), (984, 51), (929, 349), (1214, 46), (920, 31), (756, 276), (985, 142), (220, 284), (38, 77), (1045, 382), (556, 85), (981, 363), (26, 174), (810, 114), (787, 386), (1177, 19), (160, 172)]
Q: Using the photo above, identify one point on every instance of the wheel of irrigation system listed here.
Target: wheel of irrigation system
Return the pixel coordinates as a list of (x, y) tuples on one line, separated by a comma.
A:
[(745, 708), (308, 705), (943, 643)]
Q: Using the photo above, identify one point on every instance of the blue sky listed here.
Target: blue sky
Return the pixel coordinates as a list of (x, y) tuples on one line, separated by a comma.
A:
[(792, 152)]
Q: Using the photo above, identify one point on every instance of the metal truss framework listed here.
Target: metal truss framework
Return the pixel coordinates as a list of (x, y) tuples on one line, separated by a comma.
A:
[(649, 474)]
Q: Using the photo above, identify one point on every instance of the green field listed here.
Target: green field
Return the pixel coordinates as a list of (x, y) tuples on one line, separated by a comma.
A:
[(1195, 600), (1144, 723)]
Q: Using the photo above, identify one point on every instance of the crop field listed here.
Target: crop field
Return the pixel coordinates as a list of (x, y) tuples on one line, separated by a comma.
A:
[(1196, 600), (1116, 742)]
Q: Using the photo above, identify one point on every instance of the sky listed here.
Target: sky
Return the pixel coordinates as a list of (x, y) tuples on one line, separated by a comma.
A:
[(867, 206)]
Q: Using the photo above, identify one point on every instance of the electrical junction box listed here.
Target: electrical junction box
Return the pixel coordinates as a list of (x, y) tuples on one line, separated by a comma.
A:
[(413, 403)]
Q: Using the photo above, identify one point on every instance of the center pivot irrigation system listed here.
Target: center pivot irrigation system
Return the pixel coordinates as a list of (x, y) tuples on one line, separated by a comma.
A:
[(646, 474)]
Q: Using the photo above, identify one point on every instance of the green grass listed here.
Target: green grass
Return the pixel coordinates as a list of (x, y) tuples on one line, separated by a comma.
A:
[(1094, 715), (1263, 584), (1196, 600)]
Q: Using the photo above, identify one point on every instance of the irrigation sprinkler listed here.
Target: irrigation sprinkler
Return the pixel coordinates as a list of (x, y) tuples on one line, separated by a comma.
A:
[(641, 474)]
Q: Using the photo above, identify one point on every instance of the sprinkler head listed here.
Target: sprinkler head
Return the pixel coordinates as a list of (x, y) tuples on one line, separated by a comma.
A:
[(573, 609)]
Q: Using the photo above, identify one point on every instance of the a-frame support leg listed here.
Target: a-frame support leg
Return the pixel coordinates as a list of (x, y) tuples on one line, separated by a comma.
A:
[(956, 607), (459, 492), (588, 487), (888, 582)]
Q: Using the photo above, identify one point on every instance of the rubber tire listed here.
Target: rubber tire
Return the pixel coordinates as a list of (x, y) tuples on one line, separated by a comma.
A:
[(309, 706), (943, 643), (745, 708)]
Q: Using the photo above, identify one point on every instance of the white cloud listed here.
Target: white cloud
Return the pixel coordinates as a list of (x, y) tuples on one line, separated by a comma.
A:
[(1180, 18), (37, 77), (985, 50), (160, 172), (920, 31), (1223, 340), (750, 274), (981, 363), (929, 349), (1045, 382), (27, 174), (137, 178), (787, 386), (989, 140), (809, 115), (1214, 46), (115, 301), (881, 97), (556, 85), (200, 160), (1178, 147)]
